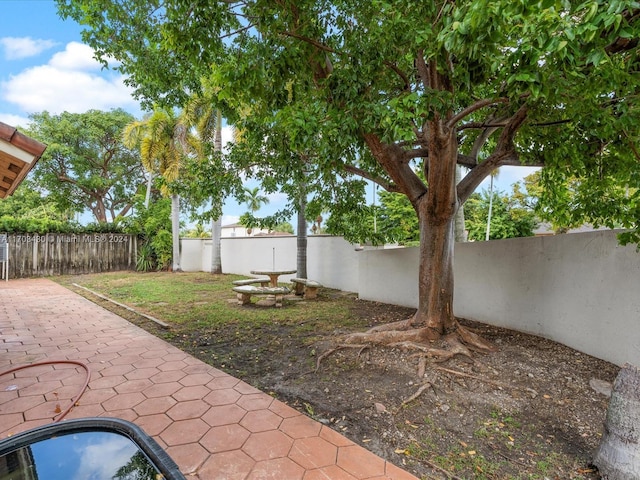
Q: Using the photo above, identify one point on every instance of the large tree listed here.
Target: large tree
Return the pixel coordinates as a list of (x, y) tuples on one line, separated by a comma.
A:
[(382, 88), (163, 140), (86, 165), (201, 113)]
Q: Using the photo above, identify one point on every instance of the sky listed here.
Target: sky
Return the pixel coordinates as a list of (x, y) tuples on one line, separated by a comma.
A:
[(44, 66)]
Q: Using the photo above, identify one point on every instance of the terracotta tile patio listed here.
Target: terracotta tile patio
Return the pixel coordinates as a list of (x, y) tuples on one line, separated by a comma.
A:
[(212, 424)]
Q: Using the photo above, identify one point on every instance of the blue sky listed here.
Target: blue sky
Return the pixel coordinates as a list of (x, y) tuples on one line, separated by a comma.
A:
[(45, 66)]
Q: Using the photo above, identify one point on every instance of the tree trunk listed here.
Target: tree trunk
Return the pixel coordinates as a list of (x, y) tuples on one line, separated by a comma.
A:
[(435, 277), (488, 233), (216, 223), (301, 265), (618, 457), (175, 231), (99, 211), (147, 195), (436, 215), (216, 257), (460, 230)]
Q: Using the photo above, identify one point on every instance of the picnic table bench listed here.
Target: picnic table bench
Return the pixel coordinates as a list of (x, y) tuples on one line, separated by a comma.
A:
[(246, 291), (250, 281), (306, 287)]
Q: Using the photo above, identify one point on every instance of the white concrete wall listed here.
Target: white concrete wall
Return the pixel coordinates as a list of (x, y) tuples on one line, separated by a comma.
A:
[(331, 261), (192, 254), (582, 290)]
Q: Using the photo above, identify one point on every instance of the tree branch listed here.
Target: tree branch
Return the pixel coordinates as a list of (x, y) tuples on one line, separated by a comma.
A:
[(472, 108), (310, 41), (393, 160), (401, 74), (502, 123), (388, 186), (423, 70), (505, 154), (416, 153)]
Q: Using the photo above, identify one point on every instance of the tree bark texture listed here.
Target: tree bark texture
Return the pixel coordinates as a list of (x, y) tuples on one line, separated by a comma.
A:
[(216, 223), (216, 239), (436, 215), (175, 232), (301, 240), (618, 457), (459, 230)]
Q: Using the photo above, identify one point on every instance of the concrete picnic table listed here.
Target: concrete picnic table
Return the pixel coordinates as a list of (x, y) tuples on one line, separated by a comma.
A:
[(273, 275)]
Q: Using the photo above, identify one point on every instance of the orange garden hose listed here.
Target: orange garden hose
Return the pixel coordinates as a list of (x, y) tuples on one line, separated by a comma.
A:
[(61, 415)]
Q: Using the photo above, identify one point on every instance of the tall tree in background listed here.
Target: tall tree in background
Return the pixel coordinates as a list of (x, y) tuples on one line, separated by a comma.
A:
[(200, 112), (509, 219), (379, 89), (397, 217), (28, 202), (86, 165), (492, 176), (254, 199), (163, 141)]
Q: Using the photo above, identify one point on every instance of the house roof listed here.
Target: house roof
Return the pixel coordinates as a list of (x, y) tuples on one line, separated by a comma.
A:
[(18, 155)]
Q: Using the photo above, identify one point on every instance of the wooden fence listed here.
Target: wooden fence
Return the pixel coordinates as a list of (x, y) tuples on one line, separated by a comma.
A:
[(33, 255)]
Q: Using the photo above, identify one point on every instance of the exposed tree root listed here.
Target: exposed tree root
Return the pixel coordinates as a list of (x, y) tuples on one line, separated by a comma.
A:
[(403, 335), (398, 326), (422, 388), (388, 337), (474, 341)]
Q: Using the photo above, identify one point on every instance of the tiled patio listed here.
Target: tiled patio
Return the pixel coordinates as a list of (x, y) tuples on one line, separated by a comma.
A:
[(213, 425)]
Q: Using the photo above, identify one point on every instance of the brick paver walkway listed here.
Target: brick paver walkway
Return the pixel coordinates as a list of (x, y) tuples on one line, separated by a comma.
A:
[(213, 425)]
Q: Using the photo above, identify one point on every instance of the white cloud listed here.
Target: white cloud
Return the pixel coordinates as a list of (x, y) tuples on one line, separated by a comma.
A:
[(72, 81), (16, 48), (76, 56), (14, 120)]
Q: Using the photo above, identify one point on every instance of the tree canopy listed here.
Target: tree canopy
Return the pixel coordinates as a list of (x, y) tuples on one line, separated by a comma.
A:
[(86, 165), (509, 218), (401, 91)]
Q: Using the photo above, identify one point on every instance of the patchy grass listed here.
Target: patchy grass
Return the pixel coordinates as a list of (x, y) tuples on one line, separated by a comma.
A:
[(525, 412), (203, 300)]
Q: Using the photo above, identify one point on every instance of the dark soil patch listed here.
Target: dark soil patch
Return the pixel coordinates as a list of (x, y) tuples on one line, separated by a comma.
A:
[(525, 412)]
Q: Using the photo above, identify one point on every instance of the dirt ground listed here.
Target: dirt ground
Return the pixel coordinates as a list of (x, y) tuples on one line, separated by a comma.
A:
[(532, 410)]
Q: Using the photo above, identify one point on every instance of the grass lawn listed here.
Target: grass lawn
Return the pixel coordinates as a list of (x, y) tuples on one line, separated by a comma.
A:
[(201, 300)]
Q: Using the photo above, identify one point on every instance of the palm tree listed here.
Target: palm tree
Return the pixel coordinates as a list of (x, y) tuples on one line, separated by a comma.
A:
[(494, 175), (162, 138), (254, 199), (201, 114)]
